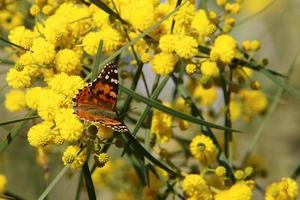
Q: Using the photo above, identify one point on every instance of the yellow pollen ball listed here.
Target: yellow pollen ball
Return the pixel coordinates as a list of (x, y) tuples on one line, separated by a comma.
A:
[(210, 69), (67, 61), (186, 47), (15, 100), (203, 149), (3, 183), (74, 156), (40, 135), (163, 63), (18, 79), (190, 68), (194, 185)]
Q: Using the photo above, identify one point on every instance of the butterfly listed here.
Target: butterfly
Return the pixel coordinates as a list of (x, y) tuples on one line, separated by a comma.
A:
[(97, 101)]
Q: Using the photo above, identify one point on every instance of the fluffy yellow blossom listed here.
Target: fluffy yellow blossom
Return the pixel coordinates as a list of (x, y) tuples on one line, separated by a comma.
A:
[(210, 69), (41, 135), (104, 133), (285, 189), (163, 63), (186, 47), (185, 14), (70, 127), (67, 61), (205, 97), (3, 183), (233, 7), (224, 49), (27, 64), (203, 149), (220, 171), (102, 174), (221, 2), (34, 10), (167, 43), (43, 52), (255, 101), (235, 110), (65, 84), (100, 18), (161, 126), (74, 156), (32, 97), (112, 39), (139, 13), (251, 45), (21, 36), (239, 191), (10, 20), (190, 68), (15, 100), (49, 103), (202, 24), (18, 79), (90, 42), (195, 186), (146, 57), (103, 158)]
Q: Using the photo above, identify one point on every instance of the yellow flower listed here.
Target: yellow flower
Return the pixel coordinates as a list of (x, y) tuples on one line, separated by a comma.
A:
[(161, 126), (205, 97), (3, 183), (163, 63), (49, 103), (100, 18), (70, 127), (255, 101), (15, 100), (203, 149), (103, 158), (67, 61), (102, 174), (239, 191), (251, 45), (220, 171), (90, 42), (186, 47), (65, 84), (27, 64), (235, 110), (9, 19), (18, 79), (233, 7), (185, 14), (43, 52), (209, 69), (112, 39), (202, 24), (285, 189), (74, 156), (104, 133), (32, 97), (41, 135), (195, 186), (224, 49), (221, 2), (34, 10), (21, 36), (167, 43), (139, 13), (190, 68)]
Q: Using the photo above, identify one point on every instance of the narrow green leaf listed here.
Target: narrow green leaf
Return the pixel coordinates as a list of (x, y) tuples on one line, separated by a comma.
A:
[(18, 120), (6, 61), (137, 147), (12, 44), (296, 173), (96, 63), (14, 132), (79, 186), (133, 41), (89, 182), (172, 112), (53, 183), (282, 83)]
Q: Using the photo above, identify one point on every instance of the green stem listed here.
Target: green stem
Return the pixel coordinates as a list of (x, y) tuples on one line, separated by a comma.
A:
[(79, 186), (89, 182)]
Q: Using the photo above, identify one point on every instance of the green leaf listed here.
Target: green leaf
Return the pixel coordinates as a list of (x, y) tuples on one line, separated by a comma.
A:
[(12, 44), (97, 61), (18, 120), (79, 186), (172, 112), (53, 183), (89, 182), (14, 132), (282, 83)]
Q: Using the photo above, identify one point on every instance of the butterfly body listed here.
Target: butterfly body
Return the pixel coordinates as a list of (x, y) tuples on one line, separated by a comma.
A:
[(96, 102)]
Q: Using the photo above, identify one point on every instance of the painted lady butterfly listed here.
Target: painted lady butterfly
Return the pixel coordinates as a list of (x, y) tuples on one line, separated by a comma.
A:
[(97, 101)]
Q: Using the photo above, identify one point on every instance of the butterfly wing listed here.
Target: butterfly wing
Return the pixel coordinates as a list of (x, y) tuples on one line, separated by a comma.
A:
[(96, 102)]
